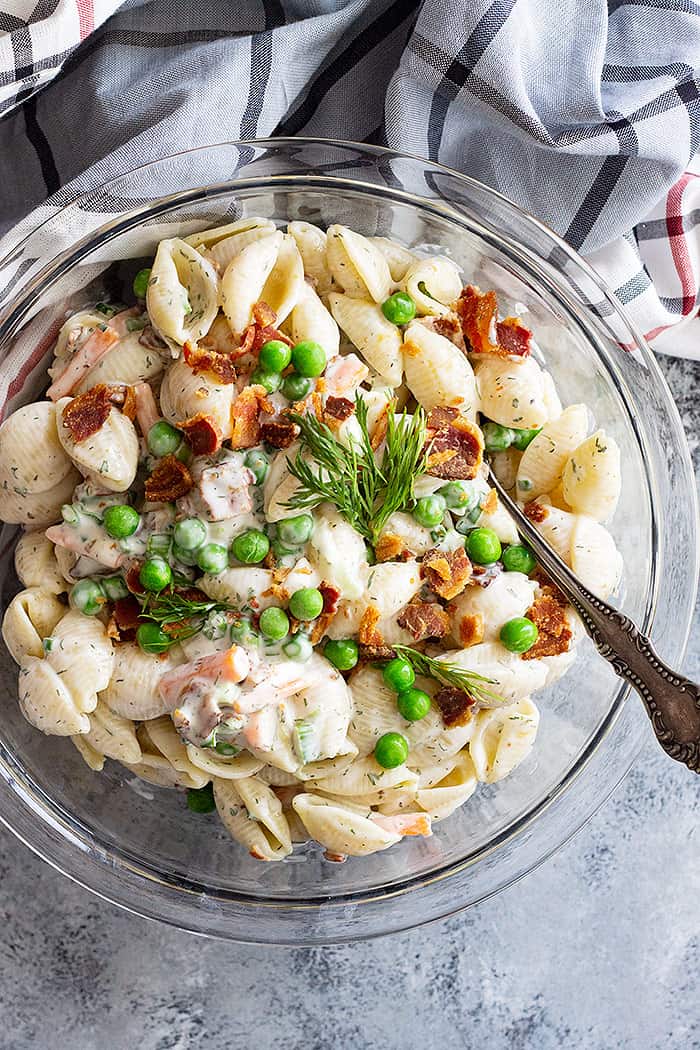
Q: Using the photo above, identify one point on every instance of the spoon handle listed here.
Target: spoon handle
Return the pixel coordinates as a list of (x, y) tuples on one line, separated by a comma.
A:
[(671, 700)]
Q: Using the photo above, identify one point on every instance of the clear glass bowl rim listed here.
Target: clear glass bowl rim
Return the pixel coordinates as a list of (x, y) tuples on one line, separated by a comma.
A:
[(16, 802)]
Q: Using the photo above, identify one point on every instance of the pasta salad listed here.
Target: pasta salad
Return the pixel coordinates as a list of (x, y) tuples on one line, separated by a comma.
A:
[(261, 558)]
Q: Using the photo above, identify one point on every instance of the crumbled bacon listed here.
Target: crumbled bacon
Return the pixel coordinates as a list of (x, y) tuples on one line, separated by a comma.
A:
[(132, 579), (449, 327), (245, 413), (123, 397), (169, 481), (471, 630), (424, 620), (330, 595), (483, 333), (280, 433), (339, 408), (380, 427), (455, 446), (368, 632), (391, 548), (375, 652), (446, 572), (218, 366), (261, 331), (455, 706), (536, 512), (124, 620), (548, 613), (202, 434), (87, 412)]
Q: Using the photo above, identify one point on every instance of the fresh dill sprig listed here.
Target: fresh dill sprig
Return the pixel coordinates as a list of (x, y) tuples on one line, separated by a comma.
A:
[(168, 608), (365, 493), (475, 685)]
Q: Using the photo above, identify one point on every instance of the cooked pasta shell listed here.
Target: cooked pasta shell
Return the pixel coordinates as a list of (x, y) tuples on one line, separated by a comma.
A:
[(504, 464), (110, 456), (32, 459), (511, 678), (509, 594), (280, 486), (592, 477), (324, 767), (82, 654), (338, 552), (502, 739), (92, 758), (342, 828), (127, 362), (235, 586), (357, 265), (183, 294), (36, 565), (37, 509), (544, 458), (433, 284), (437, 372), (398, 257), (378, 340), (29, 618), (557, 527), (269, 269), (235, 768), (76, 328), (112, 736), (252, 226), (405, 530), (276, 777), (184, 394), (594, 557), (132, 690), (164, 761), (552, 402), (496, 517), (311, 242), (511, 392), (252, 814), (46, 702), (311, 320), (452, 791)]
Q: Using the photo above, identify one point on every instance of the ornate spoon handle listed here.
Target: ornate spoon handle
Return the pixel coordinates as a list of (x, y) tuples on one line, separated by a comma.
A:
[(671, 701)]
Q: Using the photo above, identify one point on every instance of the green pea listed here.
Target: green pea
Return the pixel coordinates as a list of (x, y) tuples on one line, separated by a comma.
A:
[(163, 439), (87, 597), (228, 750), (519, 635), (391, 750), (518, 558), (114, 587), (141, 281), (295, 387), (271, 381), (152, 639), (399, 308), (201, 800), (258, 464), (522, 438), (308, 358), (483, 546), (459, 495), (298, 648), (306, 603), (429, 511), (295, 530), (212, 558), (121, 521), (155, 574), (274, 356), (398, 674), (189, 534), (274, 623), (343, 653), (413, 704), (496, 437), (250, 547)]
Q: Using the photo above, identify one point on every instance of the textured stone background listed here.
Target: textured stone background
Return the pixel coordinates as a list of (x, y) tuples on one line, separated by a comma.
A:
[(597, 950)]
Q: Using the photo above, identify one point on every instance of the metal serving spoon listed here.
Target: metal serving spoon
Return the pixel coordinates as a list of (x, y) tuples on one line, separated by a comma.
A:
[(671, 701)]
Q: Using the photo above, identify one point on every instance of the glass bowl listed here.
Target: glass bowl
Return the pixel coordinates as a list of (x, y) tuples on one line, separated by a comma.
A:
[(139, 846)]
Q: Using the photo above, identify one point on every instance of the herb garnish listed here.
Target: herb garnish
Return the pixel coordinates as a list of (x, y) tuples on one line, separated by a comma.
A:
[(179, 616), (366, 493), (469, 682)]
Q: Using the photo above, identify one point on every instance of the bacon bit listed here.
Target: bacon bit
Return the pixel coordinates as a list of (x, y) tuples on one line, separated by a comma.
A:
[(375, 652), (261, 331), (124, 620), (97, 344), (368, 633), (471, 630), (340, 408), (169, 481), (330, 595), (380, 428), (548, 613), (87, 412), (245, 413), (279, 433), (132, 579), (483, 333), (535, 511), (449, 327), (391, 548), (455, 445), (455, 706), (490, 504), (201, 434), (446, 572), (333, 857), (218, 366), (124, 398), (424, 620)]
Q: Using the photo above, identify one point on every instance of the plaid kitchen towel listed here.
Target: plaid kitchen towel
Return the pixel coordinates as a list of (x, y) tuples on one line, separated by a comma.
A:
[(585, 113)]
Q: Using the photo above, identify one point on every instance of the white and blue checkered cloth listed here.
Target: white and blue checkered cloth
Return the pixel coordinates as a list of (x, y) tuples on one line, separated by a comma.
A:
[(585, 113)]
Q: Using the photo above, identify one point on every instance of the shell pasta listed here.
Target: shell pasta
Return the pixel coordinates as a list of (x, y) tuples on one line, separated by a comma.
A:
[(261, 560)]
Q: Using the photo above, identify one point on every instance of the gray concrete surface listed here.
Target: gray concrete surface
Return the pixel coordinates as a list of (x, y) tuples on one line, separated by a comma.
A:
[(597, 950)]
